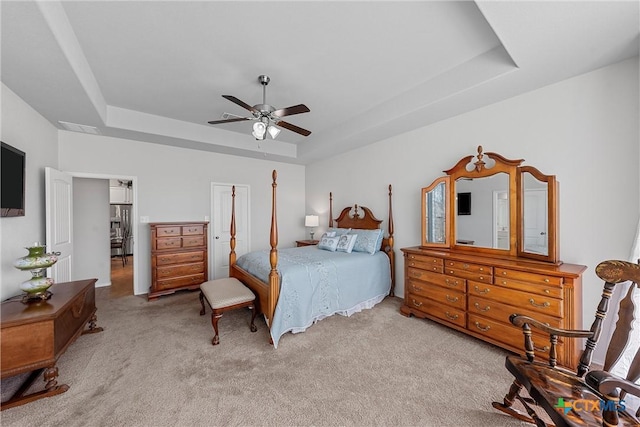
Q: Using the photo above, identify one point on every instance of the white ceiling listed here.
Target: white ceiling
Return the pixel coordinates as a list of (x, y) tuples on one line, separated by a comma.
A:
[(368, 70)]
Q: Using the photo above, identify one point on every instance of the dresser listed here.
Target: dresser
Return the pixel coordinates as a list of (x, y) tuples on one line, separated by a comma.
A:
[(476, 294), (34, 335), (494, 255), (179, 257)]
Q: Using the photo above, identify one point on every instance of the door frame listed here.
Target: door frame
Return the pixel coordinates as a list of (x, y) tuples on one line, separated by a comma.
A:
[(134, 220), (212, 207)]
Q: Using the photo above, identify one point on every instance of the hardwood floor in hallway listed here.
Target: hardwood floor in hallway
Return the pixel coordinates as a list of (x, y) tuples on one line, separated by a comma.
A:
[(121, 278)]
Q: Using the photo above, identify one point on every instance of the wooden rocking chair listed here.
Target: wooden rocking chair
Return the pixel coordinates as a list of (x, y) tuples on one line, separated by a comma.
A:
[(583, 398)]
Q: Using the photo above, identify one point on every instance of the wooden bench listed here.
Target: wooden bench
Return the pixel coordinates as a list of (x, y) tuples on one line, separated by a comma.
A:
[(224, 295)]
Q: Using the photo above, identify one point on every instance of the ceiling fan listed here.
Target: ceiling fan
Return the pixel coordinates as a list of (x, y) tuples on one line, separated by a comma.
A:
[(266, 116)]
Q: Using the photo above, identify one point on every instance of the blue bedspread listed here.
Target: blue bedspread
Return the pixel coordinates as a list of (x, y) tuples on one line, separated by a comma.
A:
[(316, 283)]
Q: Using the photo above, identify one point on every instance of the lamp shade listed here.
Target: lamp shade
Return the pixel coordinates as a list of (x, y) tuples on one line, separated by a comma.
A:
[(311, 221), (259, 130)]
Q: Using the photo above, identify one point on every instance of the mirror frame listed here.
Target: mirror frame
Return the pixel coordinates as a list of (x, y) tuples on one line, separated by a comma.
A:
[(553, 249), (516, 205), (447, 213)]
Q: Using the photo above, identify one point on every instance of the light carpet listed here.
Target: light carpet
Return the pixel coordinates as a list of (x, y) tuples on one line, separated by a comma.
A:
[(154, 365)]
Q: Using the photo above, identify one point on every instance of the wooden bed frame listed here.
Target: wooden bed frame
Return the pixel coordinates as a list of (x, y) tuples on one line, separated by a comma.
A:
[(267, 293)]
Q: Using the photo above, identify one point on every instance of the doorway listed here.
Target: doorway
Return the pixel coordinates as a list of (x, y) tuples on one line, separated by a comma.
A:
[(101, 263)]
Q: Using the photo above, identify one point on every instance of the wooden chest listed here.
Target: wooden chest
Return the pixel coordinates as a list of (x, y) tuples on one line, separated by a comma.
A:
[(476, 294), (179, 257)]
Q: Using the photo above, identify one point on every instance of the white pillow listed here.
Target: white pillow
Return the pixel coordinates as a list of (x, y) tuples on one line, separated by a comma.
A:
[(329, 234), (346, 243), (328, 243)]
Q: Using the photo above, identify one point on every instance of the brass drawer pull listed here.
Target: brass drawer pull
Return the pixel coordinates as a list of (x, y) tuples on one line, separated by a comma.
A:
[(543, 305), (487, 308), (546, 280), (416, 303), (451, 316), (448, 282), (484, 291), (415, 273), (504, 273), (544, 349), (465, 266), (416, 288), (452, 299), (484, 329)]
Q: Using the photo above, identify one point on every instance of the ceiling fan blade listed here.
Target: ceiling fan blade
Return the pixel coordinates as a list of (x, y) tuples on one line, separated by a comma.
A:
[(240, 103), (290, 111), (239, 119), (294, 128)]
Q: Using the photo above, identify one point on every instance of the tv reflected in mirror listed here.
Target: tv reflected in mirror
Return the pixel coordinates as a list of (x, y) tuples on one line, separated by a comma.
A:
[(12, 180), (464, 203)]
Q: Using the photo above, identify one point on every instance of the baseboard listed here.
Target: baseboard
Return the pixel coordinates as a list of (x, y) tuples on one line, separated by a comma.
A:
[(103, 285)]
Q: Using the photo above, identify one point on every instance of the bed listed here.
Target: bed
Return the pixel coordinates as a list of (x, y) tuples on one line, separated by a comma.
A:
[(297, 287)]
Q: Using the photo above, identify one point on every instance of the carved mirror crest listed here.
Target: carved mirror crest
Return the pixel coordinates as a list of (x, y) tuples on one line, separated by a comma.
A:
[(490, 204)]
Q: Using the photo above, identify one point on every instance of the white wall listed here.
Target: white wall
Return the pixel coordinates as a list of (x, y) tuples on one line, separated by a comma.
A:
[(584, 130), (25, 129), (174, 184), (91, 228)]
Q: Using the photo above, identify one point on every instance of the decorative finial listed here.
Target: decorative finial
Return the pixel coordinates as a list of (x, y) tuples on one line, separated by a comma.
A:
[(480, 163)]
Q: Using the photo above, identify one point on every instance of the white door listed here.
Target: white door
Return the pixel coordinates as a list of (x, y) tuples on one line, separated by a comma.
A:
[(221, 225), (535, 221), (59, 222)]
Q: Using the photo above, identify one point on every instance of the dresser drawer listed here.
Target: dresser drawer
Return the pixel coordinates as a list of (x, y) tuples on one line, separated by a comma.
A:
[(467, 266), (432, 264), (441, 311), (169, 243), (449, 282), (425, 259), (190, 230), (180, 282), (168, 231), (439, 294), (180, 270), (534, 288), (536, 303), (512, 336), (501, 312), (179, 258), (190, 242), (473, 275), (504, 273)]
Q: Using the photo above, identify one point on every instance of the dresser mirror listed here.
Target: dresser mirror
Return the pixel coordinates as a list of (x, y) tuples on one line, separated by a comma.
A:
[(537, 214), (490, 204), (435, 213)]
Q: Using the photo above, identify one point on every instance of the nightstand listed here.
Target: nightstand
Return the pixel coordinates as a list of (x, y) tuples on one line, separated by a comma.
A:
[(306, 242)]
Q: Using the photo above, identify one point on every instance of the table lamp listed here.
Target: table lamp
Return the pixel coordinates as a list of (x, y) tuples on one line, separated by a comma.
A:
[(311, 221)]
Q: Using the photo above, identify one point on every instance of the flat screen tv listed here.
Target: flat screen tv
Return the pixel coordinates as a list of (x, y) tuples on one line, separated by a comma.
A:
[(12, 180), (464, 203)]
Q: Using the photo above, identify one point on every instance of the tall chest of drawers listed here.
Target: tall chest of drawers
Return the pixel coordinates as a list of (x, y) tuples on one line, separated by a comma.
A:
[(477, 294), (179, 257)]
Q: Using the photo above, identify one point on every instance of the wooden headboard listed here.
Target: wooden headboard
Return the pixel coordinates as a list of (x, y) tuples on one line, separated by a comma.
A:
[(347, 220)]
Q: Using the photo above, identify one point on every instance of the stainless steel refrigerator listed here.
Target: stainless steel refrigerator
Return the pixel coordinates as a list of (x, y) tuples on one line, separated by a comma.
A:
[(121, 226)]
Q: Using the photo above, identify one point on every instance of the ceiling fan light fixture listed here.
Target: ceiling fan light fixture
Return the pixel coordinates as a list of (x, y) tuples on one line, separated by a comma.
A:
[(273, 131), (259, 130)]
